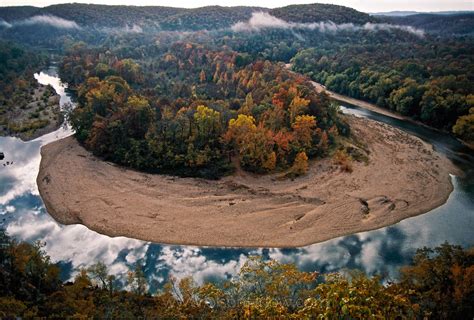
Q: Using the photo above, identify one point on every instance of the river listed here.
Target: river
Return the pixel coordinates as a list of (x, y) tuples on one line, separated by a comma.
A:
[(382, 251)]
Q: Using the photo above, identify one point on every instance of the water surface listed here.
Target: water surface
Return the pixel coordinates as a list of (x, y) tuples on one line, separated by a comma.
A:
[(382, 251)]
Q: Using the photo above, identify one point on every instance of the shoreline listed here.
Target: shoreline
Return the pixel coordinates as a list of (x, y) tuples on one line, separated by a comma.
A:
[(405, 177), (355, 102), (359, 103), (374, 108)]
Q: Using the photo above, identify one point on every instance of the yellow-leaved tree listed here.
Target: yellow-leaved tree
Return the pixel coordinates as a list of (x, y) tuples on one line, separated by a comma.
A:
[(300, 165), (254, 143), (303, 128)]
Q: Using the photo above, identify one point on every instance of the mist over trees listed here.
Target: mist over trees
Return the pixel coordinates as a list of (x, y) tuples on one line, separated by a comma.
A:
[(418, 73)]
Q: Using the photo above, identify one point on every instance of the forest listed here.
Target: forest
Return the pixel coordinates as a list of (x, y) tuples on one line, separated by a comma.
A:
[(438, 284), (16, 74), (406, 64), (192, 110), (25, 105), (461, 23), (414, 83)]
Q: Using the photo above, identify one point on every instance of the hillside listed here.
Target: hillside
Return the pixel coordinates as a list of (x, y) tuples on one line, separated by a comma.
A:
[(409, 13), (439, 24), (10, 14), (211, 17), (88, 15), (308, 13), (410, 64)]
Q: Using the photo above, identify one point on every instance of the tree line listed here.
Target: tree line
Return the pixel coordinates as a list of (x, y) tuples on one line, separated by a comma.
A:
[(438, 284), (425, 77), (431, 83)]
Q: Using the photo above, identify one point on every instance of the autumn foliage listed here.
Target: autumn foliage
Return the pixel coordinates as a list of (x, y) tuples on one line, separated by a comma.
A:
[(439, 284), (195, 109), (300, 165), (343, 160)]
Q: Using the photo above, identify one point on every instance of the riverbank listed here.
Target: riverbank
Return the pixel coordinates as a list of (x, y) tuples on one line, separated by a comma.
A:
[(404, 177), (355, 102), (39, 115), (372, 107)]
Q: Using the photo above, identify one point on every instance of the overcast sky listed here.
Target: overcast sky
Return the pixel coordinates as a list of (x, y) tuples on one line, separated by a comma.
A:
[(361, 5)]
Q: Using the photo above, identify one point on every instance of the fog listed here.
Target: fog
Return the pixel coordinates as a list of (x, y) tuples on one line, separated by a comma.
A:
[(48, 20), (133, 29), (264, 20), (120, 30)]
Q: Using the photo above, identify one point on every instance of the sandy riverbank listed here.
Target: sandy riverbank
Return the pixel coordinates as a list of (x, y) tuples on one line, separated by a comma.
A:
[(404, 177), (355, 102), (359, 103)]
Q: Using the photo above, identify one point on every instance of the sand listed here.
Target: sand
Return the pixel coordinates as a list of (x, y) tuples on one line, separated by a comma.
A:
[(356, 102), (404, 177)]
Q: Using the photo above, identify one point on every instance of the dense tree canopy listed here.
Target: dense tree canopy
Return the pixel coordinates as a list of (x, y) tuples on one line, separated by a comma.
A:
[(430, 83), (17, 67), (192, 109), (427, 76), (439, 284)]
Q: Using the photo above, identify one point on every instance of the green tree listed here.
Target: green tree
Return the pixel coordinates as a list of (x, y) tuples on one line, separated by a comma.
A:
[(464, 127)]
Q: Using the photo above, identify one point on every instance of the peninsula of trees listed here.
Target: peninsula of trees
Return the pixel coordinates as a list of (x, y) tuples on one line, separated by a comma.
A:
[(191, 111)]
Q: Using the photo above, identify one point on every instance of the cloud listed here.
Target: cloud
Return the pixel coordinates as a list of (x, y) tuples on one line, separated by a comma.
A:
[(264, 20), (19, 177), (183, 261), (49, 20), (135, 28)]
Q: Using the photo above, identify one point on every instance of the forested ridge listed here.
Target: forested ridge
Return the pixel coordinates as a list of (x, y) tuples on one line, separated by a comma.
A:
[(422, 73), (171, 18), (438, 284), (456, 23)]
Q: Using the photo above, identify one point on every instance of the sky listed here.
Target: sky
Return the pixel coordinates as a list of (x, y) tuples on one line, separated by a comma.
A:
[(361, 5)]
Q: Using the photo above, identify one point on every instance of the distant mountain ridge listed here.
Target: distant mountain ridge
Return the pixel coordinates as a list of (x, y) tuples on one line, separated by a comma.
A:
[(410, 13), (170, 18), (29, 23), (440, 24)]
